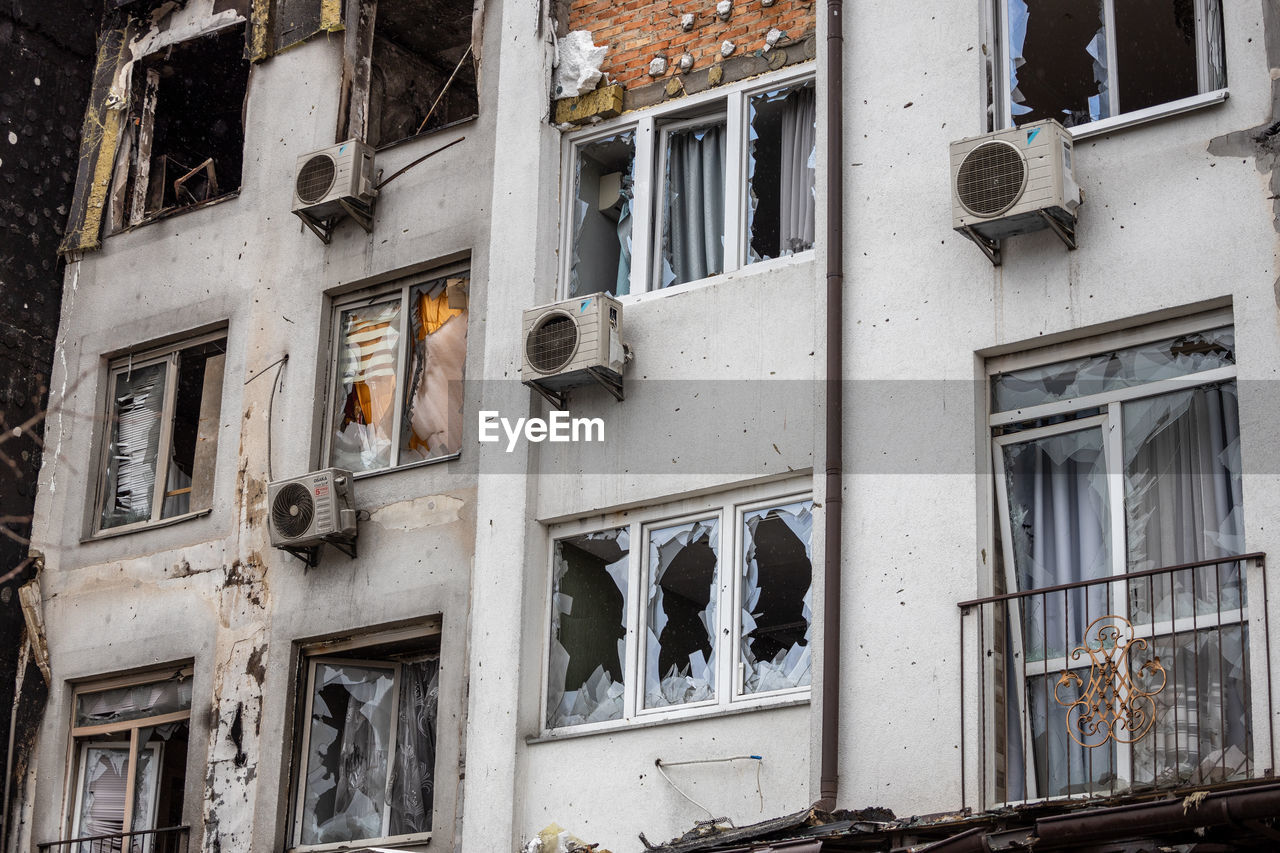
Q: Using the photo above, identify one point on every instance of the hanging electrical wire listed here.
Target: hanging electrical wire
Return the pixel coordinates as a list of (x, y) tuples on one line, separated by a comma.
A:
[(758, 759)]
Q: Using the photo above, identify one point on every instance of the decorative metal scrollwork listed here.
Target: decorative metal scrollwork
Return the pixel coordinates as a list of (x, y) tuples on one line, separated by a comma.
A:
[(1112, 705)]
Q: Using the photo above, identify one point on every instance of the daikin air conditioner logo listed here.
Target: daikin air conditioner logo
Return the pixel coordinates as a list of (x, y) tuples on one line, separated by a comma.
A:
[(560, 427)]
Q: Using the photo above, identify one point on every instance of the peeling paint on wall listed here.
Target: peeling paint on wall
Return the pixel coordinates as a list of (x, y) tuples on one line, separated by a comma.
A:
[(418, 513)]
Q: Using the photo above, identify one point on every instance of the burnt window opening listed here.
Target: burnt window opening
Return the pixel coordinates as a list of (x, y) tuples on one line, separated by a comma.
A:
[(185, 139), (1080, 62), (422, 69)]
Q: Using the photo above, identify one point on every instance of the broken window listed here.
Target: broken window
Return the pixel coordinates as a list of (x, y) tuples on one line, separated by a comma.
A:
[(162, 434), (604, 179), (782, 154), (662, 198), (184, 142), (368, 751), (397, 374), (610, 661), (776, 597), (1142, 440), (129, 760), (681, 619), (410, 69), (588, 628), (1079, 62)]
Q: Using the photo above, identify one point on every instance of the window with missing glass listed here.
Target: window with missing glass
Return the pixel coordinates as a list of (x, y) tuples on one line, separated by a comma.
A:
[(399, 355), (685, 192), (367, 742), (162, 423), (1083, 61), (1123, 462), (129, 761), (689, 613)]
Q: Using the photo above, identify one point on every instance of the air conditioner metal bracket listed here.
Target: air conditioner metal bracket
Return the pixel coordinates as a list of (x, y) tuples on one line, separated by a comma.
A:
[(990, 248), (559, 399), (1066, 232), (311, 556), (613, 386), (323, 228)]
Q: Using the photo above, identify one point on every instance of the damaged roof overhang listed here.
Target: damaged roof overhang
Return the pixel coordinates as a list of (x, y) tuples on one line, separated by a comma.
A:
[(1242, 817)]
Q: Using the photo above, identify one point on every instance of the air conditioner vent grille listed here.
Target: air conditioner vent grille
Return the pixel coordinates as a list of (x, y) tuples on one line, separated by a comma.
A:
[(991, 178), (552, 343), (315, 178), (293, 510)]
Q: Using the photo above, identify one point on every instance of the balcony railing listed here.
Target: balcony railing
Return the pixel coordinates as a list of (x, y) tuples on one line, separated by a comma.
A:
[(1150, 680), (172, 839)]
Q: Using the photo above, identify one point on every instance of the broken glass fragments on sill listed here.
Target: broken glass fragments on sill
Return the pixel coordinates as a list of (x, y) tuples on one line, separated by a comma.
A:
[(585, 683), (680, 644), (777, 612)]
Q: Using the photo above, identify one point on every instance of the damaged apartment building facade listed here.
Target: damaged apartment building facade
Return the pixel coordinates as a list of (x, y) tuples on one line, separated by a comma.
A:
[(927, 480)]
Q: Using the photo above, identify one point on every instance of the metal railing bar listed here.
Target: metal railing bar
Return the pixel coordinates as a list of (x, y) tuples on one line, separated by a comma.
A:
[(1256, 556), (175, 830)]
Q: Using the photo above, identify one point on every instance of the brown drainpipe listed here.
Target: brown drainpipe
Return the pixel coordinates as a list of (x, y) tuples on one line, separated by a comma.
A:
[(829, 779)]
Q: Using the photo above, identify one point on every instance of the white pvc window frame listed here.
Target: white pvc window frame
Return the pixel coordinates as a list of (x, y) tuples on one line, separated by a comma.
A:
[(650, 129), (1116, 118), (729, 509), (1109, 422)]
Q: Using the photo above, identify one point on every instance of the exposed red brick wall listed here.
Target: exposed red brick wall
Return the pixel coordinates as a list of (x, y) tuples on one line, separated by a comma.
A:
[(635, 31)]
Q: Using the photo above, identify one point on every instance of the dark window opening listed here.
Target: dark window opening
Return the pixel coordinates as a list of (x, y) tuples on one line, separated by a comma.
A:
[(188, 124), (782, 157), (423, 74), (1156, 52)]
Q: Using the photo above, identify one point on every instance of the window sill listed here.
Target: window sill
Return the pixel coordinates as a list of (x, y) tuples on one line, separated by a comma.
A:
[(759, 267), (404, 841), (176, 211), (1127, 120), (364, 475), (138, 527), (650, 720)]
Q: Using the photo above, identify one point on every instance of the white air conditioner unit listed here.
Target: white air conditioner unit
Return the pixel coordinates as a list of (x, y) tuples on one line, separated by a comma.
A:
[(335, 182), (1014, 182), (574, 342), (312, 510)]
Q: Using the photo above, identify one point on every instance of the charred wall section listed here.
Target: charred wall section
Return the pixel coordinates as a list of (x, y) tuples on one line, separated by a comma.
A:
[(46, 52)]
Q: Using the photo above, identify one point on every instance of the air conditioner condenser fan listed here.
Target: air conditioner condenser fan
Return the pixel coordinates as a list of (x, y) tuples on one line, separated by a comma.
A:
[(293, 510)]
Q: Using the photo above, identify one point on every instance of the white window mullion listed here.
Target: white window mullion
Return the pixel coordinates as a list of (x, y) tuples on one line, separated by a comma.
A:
[(569, 165), (725, 645), (1004, 61), (403, 354), (165, 445), (633, 663), (735, 182), (1113, 71), (642, 229), (1113, 452), (392, 738)]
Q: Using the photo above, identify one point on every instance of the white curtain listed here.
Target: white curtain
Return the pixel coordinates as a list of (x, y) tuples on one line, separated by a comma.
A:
[(693, 230), (796, 172), (1060, 531), (1184, 504)]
